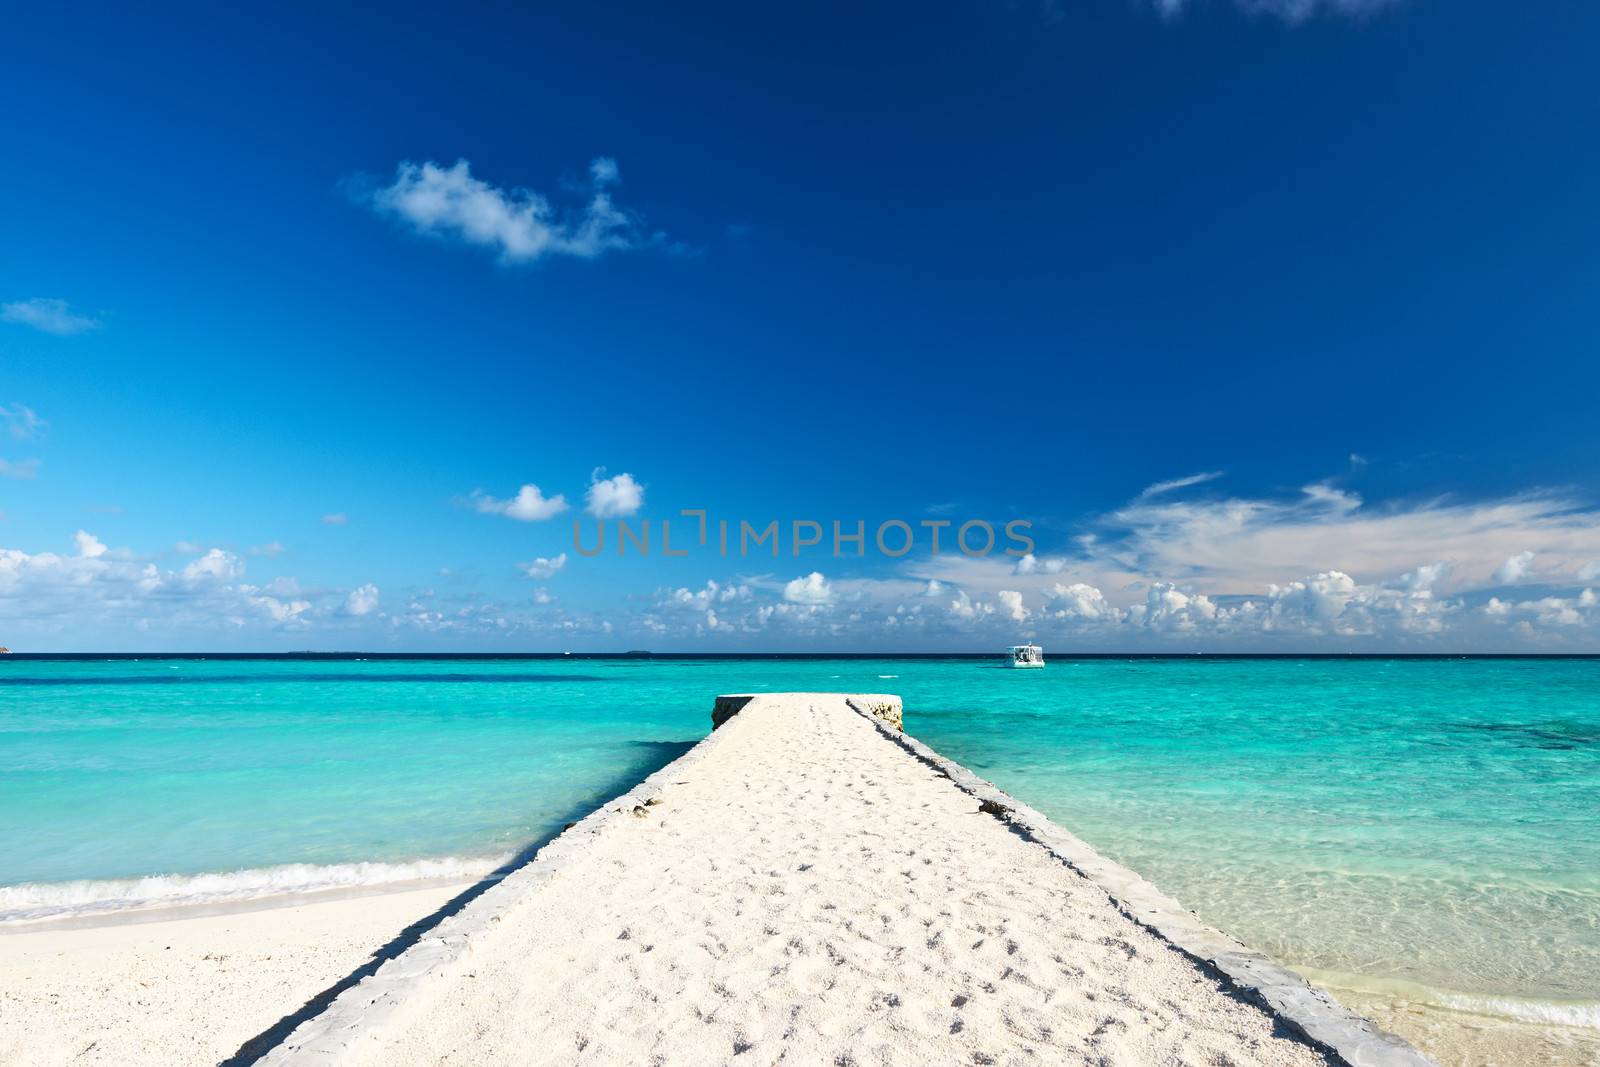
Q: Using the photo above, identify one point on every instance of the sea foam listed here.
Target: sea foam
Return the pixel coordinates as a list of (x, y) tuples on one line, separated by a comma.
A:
[(1553, 1011), (36, 901)]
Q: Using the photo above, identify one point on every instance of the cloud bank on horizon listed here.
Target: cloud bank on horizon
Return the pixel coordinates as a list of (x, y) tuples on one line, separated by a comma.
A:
[(1317, 571)]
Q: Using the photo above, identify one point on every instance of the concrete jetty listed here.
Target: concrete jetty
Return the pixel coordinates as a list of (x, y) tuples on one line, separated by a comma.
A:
[(811, 885)]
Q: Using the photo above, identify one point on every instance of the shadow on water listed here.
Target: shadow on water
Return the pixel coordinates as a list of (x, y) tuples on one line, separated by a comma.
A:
[(212, 679), (654, 756)]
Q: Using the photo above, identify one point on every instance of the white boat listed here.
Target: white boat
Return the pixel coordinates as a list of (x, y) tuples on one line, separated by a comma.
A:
[(1025, 656)]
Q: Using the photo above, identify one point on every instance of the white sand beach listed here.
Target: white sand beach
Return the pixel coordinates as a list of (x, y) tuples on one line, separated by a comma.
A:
[(809, 893), (187, 990)]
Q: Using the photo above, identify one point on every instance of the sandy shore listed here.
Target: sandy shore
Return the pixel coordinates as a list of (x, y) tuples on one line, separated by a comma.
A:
[(803, 889), (809, 893), (1466, 1039), (185, 990)]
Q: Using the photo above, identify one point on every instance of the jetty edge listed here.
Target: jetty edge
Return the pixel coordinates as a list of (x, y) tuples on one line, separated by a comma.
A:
[(1311, 1016), (1346, 1036), (363, 1008)]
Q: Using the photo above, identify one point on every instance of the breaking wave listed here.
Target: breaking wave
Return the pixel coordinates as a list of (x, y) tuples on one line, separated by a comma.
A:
[(34, 901), (1543, 1012)]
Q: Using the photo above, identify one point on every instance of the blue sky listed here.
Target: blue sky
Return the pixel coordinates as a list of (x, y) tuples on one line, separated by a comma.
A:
[(286, 305)]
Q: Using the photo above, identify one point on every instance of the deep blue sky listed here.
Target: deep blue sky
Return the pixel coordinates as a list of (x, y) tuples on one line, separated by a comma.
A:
[(996, 260)]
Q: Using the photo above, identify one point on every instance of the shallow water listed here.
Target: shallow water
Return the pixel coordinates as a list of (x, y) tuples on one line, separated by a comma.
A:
[(1425, 832)]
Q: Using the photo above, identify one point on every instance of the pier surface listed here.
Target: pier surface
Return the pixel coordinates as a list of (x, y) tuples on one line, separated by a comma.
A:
[(805, 887)]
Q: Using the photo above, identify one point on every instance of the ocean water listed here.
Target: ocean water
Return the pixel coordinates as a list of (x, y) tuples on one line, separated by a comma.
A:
[(1423, 834)]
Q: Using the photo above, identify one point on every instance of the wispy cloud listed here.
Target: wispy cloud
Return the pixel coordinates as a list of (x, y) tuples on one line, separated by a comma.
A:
[(1236, 544), (519, 225), (51, 316), (1179, 483), (335, 518), (22, 422), (1293, 12), (22, 469)]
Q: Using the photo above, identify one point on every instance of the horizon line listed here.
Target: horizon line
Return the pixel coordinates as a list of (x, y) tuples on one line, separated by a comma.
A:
[(646, 654)]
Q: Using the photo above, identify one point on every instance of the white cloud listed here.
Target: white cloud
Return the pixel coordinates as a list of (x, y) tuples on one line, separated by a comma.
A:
[(717, 607), (543, 567), (271, 549), (283, 585), (1239, 545), (1179, 483), (363, 600), (1425, 577), (1080, 601), (22, 422), (1589, 571), (216, 565), (1318, 599), (289, 613), (1551, 614), (529, 505), (1514, 568), (1322, 570), (335, 518), (613, 498), (811, 589), (964, 607), (89, 546), (51, 316), (1336, 500), (1031, 564), (713, 592), (1327, 608), (1293, 12), (520, 225), (1167, 607), (96, 593), (1289, 573)]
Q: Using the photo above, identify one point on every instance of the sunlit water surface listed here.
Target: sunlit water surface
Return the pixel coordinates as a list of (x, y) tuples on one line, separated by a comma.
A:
[(1422, 836)]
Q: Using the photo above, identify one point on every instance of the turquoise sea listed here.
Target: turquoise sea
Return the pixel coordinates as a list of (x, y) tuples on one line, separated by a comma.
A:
[(1428, 829)]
